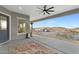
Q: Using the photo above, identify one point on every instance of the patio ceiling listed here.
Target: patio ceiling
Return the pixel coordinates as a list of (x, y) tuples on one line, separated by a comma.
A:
[(33, 11)]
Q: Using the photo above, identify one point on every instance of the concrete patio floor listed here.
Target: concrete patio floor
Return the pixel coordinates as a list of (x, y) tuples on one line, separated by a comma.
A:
[(57, 46), (60, 45), (4, 47)]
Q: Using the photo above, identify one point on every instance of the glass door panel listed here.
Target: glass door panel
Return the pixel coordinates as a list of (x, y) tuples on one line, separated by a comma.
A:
[(3, 23), (4, 28)]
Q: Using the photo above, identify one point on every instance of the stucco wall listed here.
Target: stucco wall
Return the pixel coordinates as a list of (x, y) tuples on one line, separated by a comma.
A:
[(13, 25)]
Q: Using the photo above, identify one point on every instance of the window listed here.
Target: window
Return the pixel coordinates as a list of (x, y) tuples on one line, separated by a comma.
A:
[(21, 25), (3, 23)]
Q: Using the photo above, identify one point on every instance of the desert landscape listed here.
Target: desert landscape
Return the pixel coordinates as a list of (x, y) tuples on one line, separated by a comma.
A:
[(68, 34)]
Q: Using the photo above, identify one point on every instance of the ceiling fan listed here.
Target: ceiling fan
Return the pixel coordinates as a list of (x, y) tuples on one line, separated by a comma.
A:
[(46, 10)]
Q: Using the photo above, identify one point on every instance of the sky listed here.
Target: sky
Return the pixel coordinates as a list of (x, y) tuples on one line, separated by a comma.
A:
[(69, 21)]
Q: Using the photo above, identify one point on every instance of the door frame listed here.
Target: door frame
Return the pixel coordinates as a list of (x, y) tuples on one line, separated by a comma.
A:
[(9, 24)]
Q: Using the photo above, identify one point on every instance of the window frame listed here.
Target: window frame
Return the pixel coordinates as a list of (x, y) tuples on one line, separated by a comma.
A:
[(18, 18)]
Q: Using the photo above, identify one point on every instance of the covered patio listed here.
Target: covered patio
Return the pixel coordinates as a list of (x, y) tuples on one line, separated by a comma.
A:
[(21, 39)]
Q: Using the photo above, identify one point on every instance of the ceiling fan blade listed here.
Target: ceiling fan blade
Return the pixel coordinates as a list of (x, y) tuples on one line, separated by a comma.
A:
[(47, 12), (50, 8), (43, 13), (40, 8), (45, 7)]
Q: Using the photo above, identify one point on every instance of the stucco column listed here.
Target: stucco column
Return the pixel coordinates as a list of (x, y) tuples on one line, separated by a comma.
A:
[(31, 26)]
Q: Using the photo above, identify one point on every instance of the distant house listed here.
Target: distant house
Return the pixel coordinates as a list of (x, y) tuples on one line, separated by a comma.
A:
[(45, 30)]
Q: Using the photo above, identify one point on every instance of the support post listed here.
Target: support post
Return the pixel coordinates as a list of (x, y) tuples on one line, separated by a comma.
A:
[(31, 29)]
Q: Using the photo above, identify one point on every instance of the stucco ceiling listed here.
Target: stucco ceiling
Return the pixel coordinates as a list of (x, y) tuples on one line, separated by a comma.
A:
[(34, 12)]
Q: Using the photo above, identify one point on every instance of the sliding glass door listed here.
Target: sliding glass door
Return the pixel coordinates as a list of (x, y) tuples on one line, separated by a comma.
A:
[(4, 28)]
